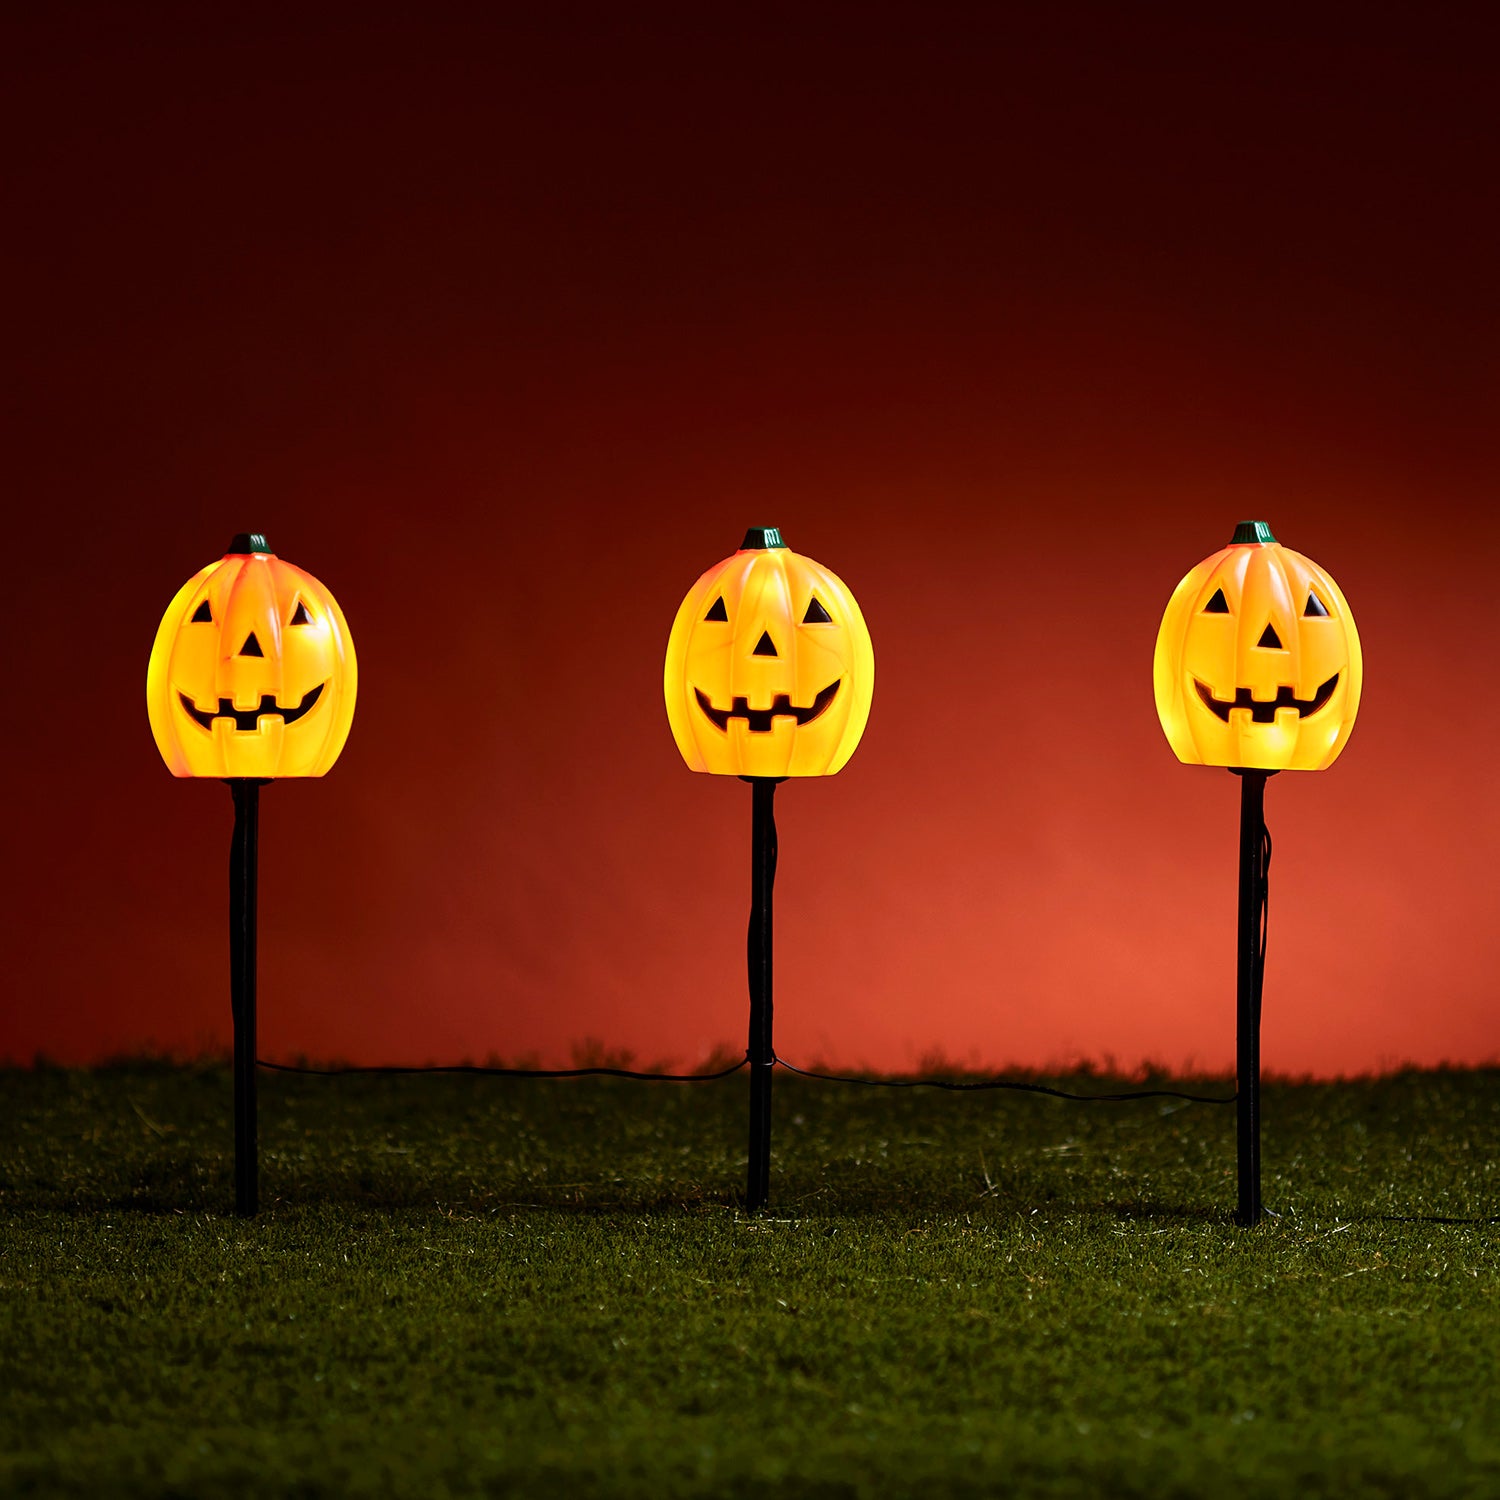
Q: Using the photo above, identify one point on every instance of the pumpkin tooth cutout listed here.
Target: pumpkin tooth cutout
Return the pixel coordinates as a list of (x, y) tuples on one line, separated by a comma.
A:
[(1257, 621), (253, 672), (759, 719), (1264, 711), (769, 669), (247, 720)]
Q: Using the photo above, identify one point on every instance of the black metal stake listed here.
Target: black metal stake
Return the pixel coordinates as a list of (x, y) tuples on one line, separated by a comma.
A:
[(242, 891), (758, 948), (1250, 978)]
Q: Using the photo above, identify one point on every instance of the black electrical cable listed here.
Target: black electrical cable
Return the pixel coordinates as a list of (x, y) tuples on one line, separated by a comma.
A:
[(954, 1085), (960, 1086), (1424, 1219), (1263, 882)]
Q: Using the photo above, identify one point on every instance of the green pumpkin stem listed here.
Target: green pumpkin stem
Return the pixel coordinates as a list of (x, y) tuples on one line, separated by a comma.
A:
[(761, 538), (248, 542), (1251, 531)]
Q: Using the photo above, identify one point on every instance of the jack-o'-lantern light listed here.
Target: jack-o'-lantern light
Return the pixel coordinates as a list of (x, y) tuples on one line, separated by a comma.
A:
[(1257, 660), (253, 671), (1258, 669), (769, 669), (769, 675), (252, 678)]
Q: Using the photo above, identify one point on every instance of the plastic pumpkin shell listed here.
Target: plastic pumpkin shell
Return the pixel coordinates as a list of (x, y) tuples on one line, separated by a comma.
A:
[(769, 670), (1258, 663), (253, 672)]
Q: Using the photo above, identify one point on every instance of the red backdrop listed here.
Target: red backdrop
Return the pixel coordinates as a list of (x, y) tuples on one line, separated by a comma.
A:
[(507, 333)]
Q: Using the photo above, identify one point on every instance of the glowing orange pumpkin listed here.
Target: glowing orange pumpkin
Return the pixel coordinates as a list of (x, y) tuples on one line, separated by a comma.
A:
[(770, 670), (253, 671), (1258, 662)]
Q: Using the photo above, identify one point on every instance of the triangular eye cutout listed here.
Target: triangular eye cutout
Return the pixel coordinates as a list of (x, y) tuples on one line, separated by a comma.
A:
[(716, 611), (1269, 639), (251, 646), (1315, 607), (765, 646), (816, 614), (1218, 605), (300, 615), (203, 615)]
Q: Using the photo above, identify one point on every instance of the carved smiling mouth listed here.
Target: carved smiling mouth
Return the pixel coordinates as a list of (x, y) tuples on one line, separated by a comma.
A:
[(1265, 713), (759, 719), (247, 719)]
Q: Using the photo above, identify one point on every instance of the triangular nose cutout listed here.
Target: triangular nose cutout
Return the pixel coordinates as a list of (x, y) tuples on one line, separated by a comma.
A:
[(765, 646), (251, 646), (1270, 639)]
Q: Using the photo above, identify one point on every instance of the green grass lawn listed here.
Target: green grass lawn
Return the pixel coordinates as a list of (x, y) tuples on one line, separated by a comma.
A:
[(476, 1286)]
